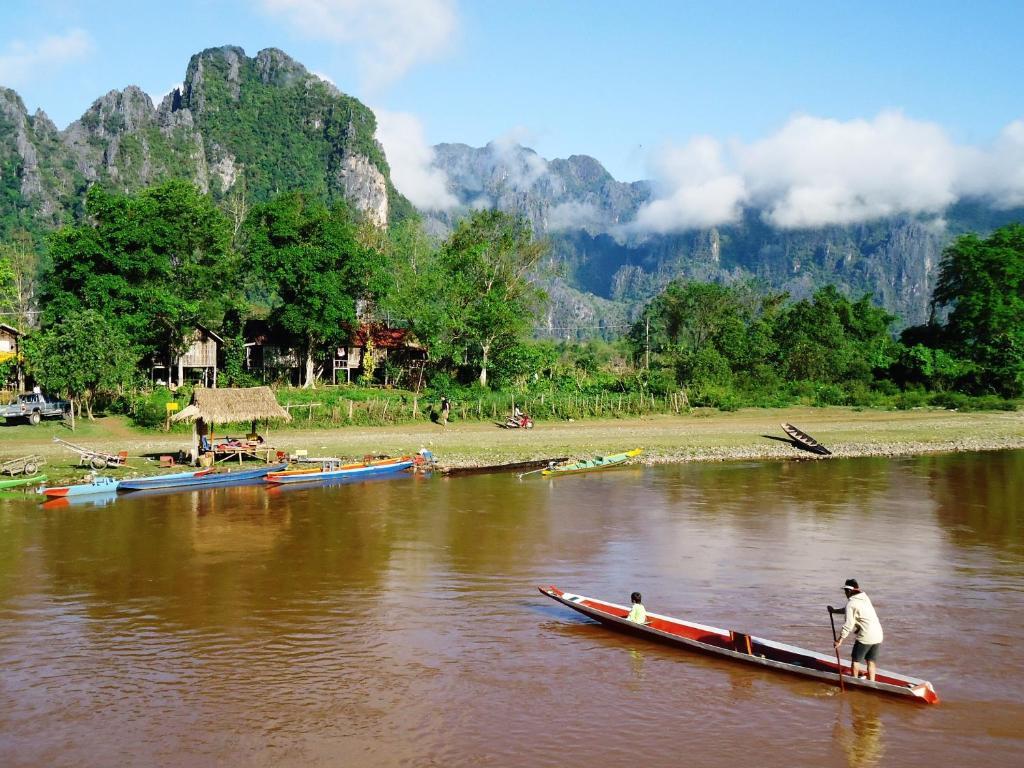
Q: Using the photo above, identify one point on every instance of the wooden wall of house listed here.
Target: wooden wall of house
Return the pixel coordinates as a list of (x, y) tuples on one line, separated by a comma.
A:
[(8, 342), (202, 353)]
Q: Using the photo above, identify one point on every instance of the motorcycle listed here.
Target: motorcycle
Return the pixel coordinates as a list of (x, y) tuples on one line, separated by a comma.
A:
[(521, 422)]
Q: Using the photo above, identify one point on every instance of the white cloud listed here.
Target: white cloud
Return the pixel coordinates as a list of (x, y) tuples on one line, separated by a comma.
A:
[(23, 62), (520, 167), (695, 189), (411, 159), (816, 171), (573, 215), (389, 36), (996, 172)]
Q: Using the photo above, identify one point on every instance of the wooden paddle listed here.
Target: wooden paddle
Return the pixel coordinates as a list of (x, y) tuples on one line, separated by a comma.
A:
[(839, 662)]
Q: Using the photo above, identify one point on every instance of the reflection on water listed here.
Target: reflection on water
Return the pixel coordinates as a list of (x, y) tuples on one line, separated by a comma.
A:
[(861, 736), (398, 623)]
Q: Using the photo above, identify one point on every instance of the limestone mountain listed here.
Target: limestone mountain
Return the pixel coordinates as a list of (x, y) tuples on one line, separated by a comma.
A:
[(583, 210), (237, 125)]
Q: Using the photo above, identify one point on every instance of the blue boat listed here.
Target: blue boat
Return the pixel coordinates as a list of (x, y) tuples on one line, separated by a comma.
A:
[(202, 478), (99, 484)]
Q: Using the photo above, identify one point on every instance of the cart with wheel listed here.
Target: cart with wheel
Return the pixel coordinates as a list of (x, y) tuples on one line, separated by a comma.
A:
[(23, 465)]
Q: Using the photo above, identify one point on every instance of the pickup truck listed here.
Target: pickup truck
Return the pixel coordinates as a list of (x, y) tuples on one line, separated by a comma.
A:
[(33, 407)]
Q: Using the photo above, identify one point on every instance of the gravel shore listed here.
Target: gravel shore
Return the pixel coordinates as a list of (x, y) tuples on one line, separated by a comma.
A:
[(748, 434)]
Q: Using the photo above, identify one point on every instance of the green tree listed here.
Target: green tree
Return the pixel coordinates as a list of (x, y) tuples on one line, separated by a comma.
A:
[(313, 264), (152, 265), (81, 358), (478, 292), (19, 268), (981, 283), (834, 340)]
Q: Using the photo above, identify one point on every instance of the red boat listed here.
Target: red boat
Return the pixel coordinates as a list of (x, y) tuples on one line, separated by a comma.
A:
[(742, 647)]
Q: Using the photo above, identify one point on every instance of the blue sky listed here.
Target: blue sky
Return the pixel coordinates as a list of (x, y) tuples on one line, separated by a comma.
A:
[(629, 83)]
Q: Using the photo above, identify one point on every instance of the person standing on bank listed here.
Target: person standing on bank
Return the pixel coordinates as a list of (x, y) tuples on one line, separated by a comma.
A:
[(862, 620), (446, 408)]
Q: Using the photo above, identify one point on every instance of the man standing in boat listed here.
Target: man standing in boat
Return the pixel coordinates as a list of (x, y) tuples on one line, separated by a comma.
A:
[(862, 620)]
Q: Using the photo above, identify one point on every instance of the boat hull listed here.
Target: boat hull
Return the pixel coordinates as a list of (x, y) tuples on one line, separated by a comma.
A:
[(18, 481), (744, 648), (375, 469), (605, 462), (84, 489), (200, 479)]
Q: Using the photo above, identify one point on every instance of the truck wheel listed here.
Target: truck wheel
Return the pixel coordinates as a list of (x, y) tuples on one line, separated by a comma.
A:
[(34, 418), (30, 468), (96, 462)]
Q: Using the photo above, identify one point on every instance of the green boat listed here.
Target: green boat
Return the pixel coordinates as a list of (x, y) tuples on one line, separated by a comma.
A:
[(589, 465), (16, 481)]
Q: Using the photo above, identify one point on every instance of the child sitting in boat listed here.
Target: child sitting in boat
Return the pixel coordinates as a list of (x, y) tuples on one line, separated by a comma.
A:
[(637, 614)]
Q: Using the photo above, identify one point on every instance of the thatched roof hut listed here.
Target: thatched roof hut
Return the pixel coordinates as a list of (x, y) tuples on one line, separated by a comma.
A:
[(231, 406)]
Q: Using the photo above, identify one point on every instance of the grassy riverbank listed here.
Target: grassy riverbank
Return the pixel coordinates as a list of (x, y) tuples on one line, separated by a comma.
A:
[(698, 436)]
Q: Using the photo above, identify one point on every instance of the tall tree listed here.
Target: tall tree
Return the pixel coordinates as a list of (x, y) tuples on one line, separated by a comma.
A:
[(81, 357), (311, 260), (479, 291), (19, 269), (154, 265), (981, 283)]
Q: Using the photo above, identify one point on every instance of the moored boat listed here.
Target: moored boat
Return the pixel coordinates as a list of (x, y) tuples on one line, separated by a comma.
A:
[(802, 440), (743, 647), (335, 470), (199, 479), (99, 484), (14, 482), (589, 465)]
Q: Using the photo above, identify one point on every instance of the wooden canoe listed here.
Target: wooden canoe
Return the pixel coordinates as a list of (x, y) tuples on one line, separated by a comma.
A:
[(743, 647), (519, 466), (805, 441), (589, 465), (330, 470)]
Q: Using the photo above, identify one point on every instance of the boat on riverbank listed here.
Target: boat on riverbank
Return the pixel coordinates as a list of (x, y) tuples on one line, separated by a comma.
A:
[(199, 479), (14, 482), (517, 466), (101, 484), (743, 647), (589, 465), (802, 440), (335, 470)]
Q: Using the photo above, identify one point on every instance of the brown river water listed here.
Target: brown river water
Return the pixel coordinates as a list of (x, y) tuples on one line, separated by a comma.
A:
[(398, 623)]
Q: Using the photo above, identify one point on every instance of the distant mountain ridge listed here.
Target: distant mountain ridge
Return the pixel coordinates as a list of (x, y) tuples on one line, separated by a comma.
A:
[(259, 125), (244, 128), (586, 214)]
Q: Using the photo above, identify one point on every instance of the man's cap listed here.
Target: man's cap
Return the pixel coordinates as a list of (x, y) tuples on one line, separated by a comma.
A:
[(851, 584)]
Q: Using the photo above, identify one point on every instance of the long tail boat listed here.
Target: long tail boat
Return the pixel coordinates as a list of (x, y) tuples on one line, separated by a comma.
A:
[(589, 465), (743, 647), (100, 484), (199, 479), (335, 470)]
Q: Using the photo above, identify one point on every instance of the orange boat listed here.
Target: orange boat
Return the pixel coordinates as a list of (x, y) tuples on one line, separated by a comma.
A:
[(333, 469)]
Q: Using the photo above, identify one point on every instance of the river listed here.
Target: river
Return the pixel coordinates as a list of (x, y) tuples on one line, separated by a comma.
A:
[(398, 623)]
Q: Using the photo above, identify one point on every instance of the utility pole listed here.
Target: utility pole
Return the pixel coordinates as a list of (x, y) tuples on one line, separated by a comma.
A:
[(647, 353)]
